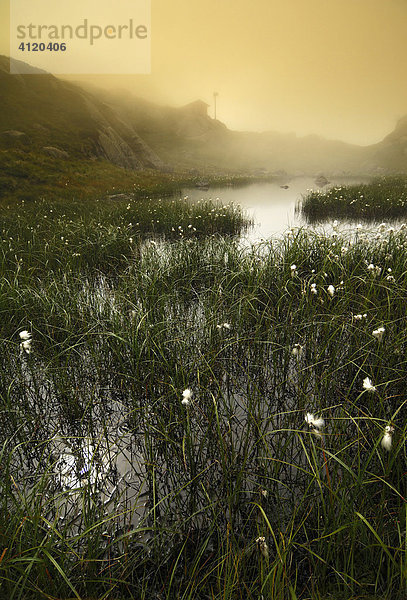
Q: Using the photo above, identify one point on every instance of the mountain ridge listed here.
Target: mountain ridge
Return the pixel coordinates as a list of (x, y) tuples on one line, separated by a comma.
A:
[(42, 111), (51, 112)]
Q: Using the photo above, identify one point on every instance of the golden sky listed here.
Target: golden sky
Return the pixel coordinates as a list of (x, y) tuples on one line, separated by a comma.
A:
[(332, 67)]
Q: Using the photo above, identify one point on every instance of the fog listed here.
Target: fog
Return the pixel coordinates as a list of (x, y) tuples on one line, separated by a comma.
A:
[(335, 68)]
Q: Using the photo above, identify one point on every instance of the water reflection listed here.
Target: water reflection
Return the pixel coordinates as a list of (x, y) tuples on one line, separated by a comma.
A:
[(273, 205)]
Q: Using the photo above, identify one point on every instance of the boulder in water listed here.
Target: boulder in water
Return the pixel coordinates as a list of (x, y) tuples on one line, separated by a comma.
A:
[(321, 180)]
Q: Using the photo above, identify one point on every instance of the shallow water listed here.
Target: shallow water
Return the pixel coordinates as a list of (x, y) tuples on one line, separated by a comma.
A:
[(274, 208)]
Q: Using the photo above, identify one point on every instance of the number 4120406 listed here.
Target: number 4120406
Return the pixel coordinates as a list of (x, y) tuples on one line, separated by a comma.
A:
[(42, 47)]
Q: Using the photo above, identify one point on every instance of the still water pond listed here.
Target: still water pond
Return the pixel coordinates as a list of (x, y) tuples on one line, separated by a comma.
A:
[(274, 206)]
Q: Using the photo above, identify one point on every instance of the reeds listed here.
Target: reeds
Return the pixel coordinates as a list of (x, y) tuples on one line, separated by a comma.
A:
[(113, 487), (382, 198)]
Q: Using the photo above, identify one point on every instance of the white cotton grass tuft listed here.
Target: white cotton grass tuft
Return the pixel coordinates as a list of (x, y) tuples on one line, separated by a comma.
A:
[(262, 546), (26, 346), (224, 326), (387, 437), (26, 341), (186, 397), (374, 269), (331, 290), (315, 423), (293, 270), (368, 385), (297, 350), (378, 333)]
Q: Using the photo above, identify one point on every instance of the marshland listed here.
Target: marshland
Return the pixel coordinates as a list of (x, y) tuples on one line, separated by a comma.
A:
[(203, 286), (187, 416)]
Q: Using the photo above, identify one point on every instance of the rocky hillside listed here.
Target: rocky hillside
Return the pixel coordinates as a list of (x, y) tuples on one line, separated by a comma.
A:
[(186, 137), (44, 114), (391, 153)]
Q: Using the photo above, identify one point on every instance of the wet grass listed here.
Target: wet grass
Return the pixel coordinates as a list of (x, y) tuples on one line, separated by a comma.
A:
[(112, 487), (383, 198), (31, 174)]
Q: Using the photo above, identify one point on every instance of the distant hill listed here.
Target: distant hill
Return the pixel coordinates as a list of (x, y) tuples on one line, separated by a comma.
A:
[(46, 114), (391, 153), (51, 116), (186, 137)]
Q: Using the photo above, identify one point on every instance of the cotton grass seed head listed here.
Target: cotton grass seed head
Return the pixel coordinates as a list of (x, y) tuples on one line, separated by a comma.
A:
[(374, 269), (186, 397), (360, 317), (387, 437), (26, 346), (224, 326), (262, 546), (297, 350), (315, 423), (25, 335), (368, 385), (331, 290), (378, 333), (26, 341)]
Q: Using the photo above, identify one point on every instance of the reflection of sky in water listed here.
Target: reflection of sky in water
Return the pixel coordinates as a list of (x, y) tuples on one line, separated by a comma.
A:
[(97, 457), (272, 206)]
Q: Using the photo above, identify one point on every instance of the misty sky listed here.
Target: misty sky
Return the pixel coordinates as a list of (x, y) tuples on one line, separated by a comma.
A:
[(332, 67)]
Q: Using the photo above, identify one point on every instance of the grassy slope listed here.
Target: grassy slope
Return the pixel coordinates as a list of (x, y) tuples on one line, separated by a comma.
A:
[(49, 111), (29, 175)]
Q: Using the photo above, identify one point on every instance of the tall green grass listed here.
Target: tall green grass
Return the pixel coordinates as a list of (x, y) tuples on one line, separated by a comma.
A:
[(382, 198), (112, 488)]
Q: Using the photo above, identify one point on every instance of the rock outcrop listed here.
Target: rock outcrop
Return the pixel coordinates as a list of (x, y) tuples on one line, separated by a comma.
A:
[(12, 138), (55, 152), (64, 120)]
